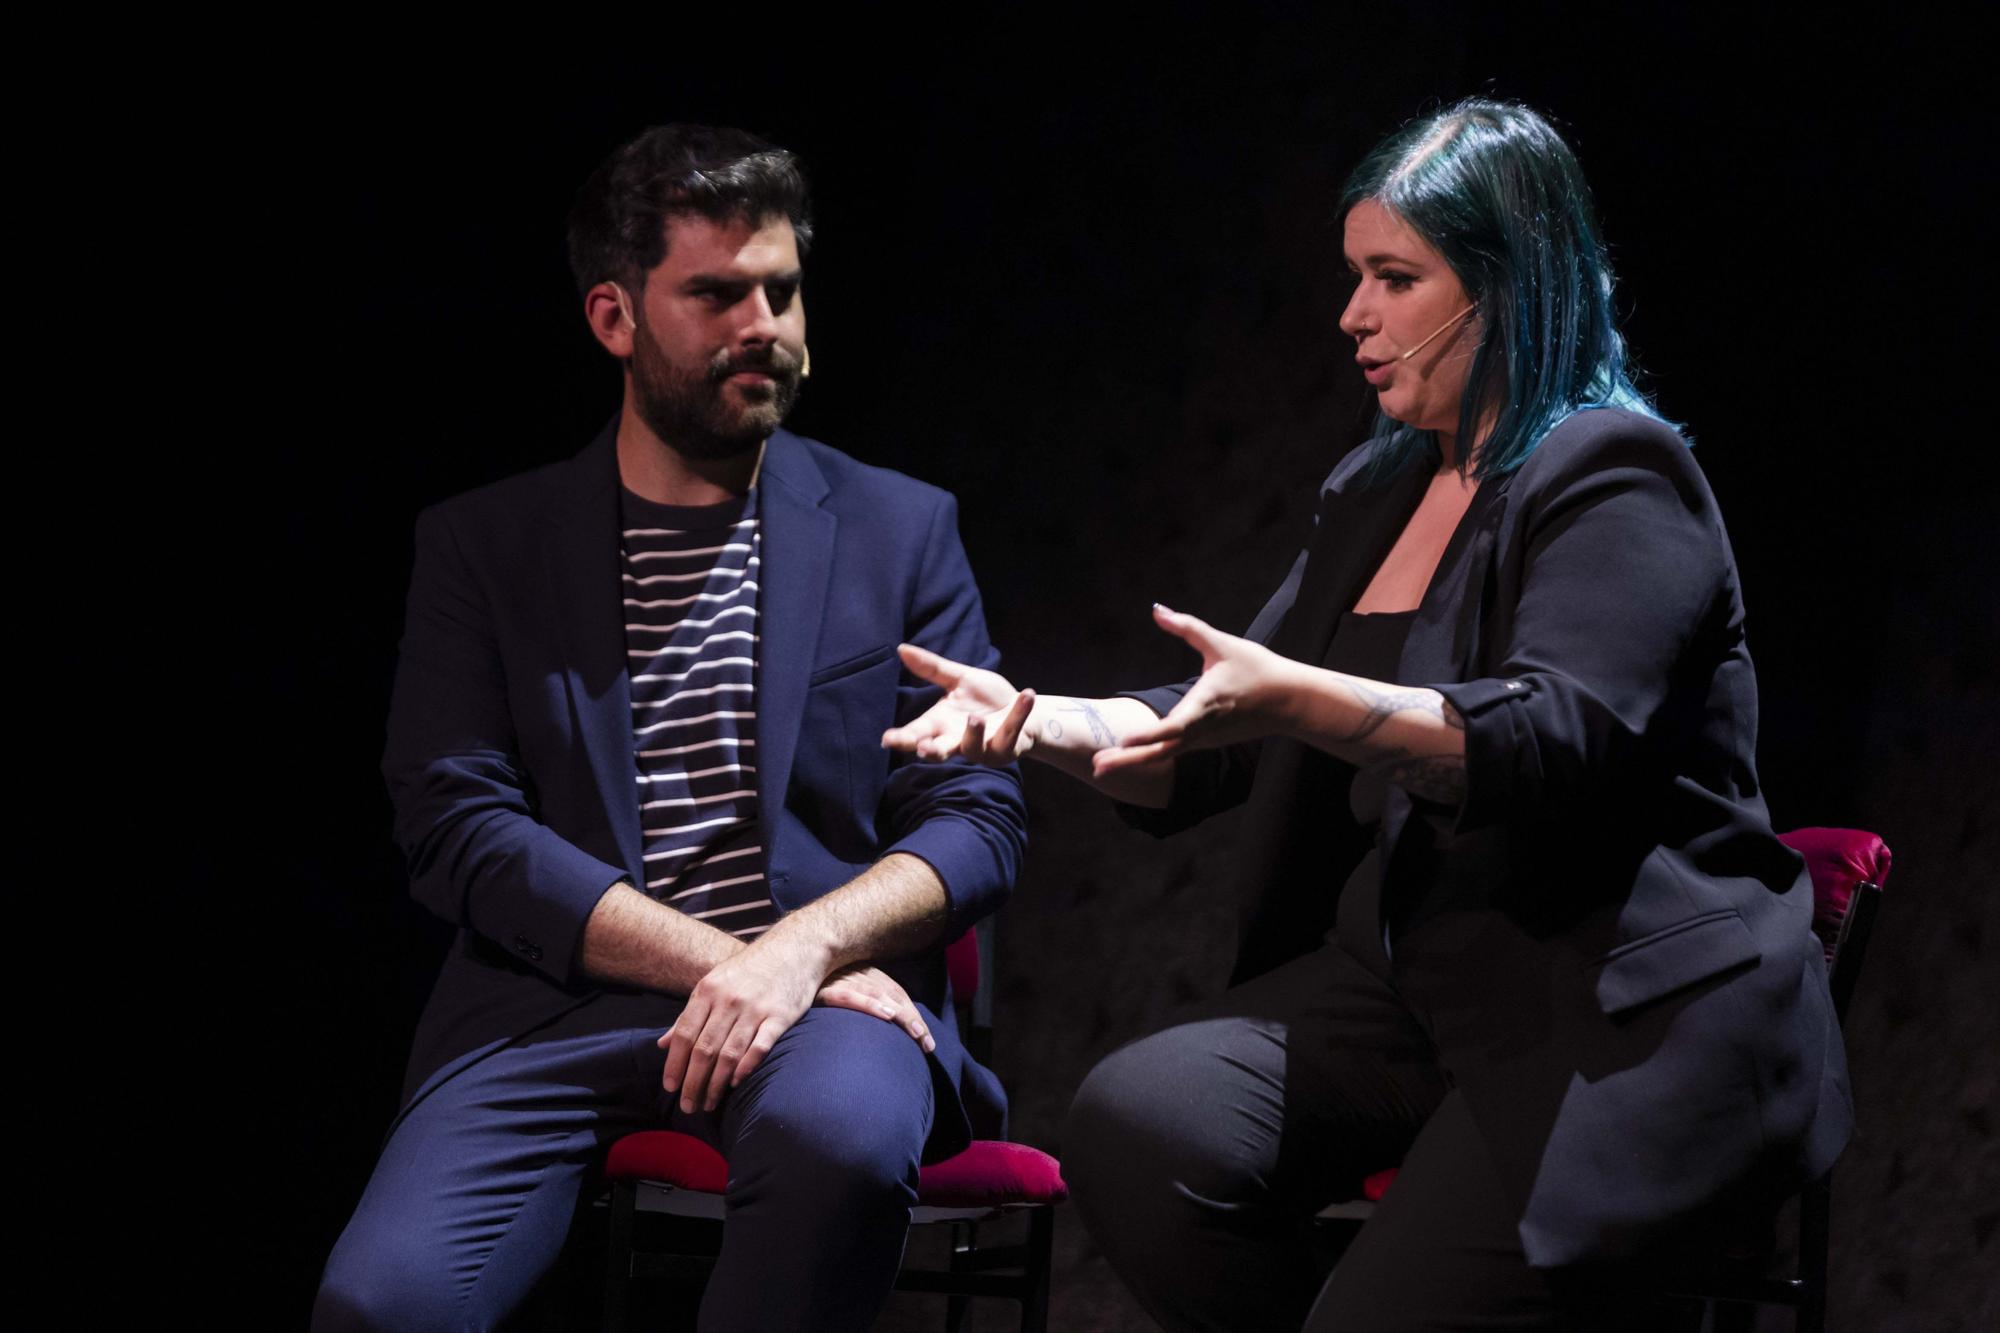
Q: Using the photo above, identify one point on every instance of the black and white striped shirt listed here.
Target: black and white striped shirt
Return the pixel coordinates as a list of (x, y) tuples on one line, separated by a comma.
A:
[(690, 589)]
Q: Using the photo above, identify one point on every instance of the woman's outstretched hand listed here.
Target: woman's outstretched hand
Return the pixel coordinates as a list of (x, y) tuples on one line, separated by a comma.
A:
[(982, 717), (1245, 692)]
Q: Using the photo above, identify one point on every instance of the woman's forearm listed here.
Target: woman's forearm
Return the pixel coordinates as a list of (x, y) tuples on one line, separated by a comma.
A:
[(1413, 735), (1065, 733)]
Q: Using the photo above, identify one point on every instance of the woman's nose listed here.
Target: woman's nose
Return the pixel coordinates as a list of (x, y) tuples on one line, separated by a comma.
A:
[(1353, 319)]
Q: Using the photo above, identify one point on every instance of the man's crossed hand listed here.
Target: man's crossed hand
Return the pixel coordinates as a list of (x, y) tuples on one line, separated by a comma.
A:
[(736, 1013)]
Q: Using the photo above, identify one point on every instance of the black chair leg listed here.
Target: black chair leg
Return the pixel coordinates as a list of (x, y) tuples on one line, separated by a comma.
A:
[(1041, 1245), (964, 1240), (618, 1256)]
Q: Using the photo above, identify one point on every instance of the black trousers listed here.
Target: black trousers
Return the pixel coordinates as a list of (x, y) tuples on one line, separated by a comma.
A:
[(1199, 1155)]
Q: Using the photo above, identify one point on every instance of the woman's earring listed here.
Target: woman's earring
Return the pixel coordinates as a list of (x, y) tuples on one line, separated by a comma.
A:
[(805, 362)]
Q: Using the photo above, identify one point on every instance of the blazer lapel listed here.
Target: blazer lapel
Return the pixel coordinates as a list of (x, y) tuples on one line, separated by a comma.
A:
[(1443, 643), (581, 556), (796, 570), (1443, 637), (1351, 536)]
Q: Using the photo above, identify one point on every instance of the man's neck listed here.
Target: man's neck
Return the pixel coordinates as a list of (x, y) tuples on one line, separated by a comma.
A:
[(653, 469)]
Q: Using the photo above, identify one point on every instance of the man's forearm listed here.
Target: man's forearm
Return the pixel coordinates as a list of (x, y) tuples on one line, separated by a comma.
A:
[(637, 941), (895, 908)]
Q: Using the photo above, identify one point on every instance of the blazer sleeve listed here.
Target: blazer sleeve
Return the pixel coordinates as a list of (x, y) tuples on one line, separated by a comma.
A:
[(969, 822), (1625, 562), (464, 804)]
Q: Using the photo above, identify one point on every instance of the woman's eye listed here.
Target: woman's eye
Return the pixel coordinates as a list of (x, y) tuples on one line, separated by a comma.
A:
[(1397, 282)]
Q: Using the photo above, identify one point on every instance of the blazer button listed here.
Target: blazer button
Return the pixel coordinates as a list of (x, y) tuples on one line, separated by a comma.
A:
[(528, 948)]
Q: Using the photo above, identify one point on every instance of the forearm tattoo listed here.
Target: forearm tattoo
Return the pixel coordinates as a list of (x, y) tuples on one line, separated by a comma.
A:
[(1100, 732), (1383, 702), (1431, 777)]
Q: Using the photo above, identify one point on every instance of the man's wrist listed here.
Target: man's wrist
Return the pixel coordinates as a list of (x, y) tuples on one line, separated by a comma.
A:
[(802, 938)]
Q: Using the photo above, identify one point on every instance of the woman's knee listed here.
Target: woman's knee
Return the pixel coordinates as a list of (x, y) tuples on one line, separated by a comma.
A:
[(1172, 1122)]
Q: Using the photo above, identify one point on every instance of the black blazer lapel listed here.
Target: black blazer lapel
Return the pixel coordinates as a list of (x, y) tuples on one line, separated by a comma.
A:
[(796, 570), (581, 557), (1443, 643), (1352, 534)]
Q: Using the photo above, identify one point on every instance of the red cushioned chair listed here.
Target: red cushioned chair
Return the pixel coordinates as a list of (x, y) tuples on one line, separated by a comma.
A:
[(660, 1171), (1848, 868)]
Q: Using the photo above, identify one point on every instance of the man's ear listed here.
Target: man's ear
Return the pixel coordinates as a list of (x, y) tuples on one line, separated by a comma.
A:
[(608, 310)]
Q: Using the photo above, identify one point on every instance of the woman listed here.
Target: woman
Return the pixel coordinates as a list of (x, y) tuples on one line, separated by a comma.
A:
[(1496, 729)]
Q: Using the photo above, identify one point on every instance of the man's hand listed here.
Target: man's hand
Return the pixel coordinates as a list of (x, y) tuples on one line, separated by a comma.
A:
[(735, 1014), (870, 990), (981, 716)]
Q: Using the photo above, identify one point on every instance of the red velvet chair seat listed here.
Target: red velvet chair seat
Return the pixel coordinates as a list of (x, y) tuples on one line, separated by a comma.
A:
[(989, 1174)]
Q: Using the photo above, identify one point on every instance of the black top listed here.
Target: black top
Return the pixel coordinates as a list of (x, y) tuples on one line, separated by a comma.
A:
[(1369, 646)]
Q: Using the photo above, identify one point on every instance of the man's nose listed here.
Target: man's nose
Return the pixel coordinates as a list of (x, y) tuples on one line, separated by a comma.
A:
[(760, 321)]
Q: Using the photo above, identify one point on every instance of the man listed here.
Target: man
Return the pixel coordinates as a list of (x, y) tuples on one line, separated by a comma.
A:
[(633, 750)]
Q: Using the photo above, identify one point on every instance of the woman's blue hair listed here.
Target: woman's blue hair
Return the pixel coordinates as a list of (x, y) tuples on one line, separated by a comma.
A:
[(1494, 190)]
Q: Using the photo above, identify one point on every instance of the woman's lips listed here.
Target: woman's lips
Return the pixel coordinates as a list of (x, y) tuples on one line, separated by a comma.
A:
[(1376, 372)]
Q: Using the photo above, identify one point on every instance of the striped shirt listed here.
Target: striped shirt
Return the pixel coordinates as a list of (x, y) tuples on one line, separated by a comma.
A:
[(690, 580)]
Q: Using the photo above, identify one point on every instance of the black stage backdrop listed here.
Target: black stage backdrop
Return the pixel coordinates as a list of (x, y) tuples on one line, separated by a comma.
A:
[(1084, 274)]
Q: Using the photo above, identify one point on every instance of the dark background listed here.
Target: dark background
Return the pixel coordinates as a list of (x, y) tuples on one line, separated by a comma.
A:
[(1083, 273)]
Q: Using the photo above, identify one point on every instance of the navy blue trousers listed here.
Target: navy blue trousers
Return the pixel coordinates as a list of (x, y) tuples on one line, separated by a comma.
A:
[(473, 1195)]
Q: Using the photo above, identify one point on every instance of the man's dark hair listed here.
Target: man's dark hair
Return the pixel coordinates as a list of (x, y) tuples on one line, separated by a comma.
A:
[(618, 228)]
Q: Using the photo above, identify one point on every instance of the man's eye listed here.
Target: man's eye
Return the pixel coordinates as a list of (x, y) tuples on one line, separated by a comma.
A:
[(780, 295)]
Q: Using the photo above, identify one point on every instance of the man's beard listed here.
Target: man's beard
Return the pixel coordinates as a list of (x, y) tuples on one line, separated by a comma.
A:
[(694, 413)]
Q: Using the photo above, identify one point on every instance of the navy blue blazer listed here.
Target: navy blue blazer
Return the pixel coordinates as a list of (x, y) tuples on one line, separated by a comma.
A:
[(510, 752), (1633, 1003)]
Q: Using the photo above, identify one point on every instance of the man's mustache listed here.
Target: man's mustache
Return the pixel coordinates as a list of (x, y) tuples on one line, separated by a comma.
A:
[(776, 362)]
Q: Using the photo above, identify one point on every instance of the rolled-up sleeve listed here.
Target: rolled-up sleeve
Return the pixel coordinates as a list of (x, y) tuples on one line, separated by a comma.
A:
[(1625, 564)]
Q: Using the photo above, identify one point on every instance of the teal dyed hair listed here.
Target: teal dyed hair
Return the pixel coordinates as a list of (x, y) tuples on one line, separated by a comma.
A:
[(1494, 190)]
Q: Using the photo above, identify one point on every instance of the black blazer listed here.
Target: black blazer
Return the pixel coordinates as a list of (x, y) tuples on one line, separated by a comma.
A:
[(1633, 1002)]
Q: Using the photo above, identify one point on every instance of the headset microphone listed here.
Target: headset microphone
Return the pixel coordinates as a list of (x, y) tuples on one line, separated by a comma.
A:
[(1440, 329)]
